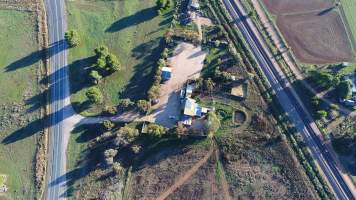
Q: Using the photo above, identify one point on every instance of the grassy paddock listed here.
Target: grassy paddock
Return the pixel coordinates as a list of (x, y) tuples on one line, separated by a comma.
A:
[(132, 30), (19, 101), (349, 8)]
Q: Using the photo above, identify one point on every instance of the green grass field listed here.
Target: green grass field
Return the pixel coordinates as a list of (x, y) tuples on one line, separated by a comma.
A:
[(350, 8), (132, 30), (19, 101)]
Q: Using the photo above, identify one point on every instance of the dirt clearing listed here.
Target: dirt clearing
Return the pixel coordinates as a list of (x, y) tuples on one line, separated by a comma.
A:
[(186, 64), (316, 38), (279, 7)]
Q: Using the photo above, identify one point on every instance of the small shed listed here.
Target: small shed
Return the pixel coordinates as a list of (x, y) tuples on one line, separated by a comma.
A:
[(166, 73)]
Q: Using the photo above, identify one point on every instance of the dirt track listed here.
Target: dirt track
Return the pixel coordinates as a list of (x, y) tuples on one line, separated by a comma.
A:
[(185, 177)]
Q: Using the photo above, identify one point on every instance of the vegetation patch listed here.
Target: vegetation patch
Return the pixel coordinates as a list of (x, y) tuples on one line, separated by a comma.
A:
[(20, 100), (133, 31)]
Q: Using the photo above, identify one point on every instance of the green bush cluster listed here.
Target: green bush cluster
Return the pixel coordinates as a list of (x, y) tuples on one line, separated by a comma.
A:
[(72, 38)]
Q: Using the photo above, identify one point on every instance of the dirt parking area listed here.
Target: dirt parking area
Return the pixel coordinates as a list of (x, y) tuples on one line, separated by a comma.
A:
[(316, 38), (187, 63), (279, 7)]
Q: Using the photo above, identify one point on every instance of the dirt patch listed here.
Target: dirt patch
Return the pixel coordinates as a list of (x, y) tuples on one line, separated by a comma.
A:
[(279, 7), (161, 171), (316, 38)]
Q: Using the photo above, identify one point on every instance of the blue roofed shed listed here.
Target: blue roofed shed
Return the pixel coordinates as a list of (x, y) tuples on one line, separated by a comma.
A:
[(166, 73)]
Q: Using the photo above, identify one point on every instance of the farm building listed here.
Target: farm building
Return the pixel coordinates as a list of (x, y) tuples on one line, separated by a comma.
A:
[(191, 110), (166, 73)]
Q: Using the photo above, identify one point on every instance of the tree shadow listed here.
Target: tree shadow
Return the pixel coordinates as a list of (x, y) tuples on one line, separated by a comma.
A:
[(34, 57), (143, 74), (132, 20), (37, 125), (326, 11)]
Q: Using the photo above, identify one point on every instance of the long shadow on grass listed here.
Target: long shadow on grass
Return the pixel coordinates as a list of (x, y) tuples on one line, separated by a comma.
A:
[(133, 20), (141, 80), (34, 57)]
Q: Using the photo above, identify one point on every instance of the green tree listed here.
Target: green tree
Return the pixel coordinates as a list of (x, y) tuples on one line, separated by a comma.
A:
[(94, 95), (117, 168), (320, 114), (112, 63), (72, 38), (95, 76), (108, 125), (343, 89), (156, 130), (101, 51), (101, 62), (144, 106), (212, 124), (128, 133), (163, 5)]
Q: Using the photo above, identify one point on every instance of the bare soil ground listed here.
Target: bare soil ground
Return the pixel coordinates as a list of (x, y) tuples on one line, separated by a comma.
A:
[(162, 170), (186, 64), (279, 7), (316, 38)]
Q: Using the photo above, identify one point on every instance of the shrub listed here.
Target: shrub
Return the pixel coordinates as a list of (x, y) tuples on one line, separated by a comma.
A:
[(126, 103), (163, 5), (94, 95), (108, 125), (144, 106), (136, 149), (72, 38), (128, 133), (112, 110), (156, 130), (320, 114)]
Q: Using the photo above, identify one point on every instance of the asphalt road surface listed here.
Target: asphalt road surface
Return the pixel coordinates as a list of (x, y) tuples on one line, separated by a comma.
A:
[(290, 102), (60, 108)]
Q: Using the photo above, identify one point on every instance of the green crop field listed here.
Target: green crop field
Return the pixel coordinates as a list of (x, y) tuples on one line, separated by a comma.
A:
[(19, 101), (132, 30), (349, 7)]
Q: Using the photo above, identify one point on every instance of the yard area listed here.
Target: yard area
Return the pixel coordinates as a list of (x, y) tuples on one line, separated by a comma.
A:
[(20, 100), (132, 30), (187, 62)]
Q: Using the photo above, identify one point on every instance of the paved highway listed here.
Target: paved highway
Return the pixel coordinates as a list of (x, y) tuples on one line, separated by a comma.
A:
[(290, 101), (60, 108)]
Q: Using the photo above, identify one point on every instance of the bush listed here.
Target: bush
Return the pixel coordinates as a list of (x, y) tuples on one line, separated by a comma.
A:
[(126, 103), (323, 79), (72, 38), (144, 106), (112, 110), (136, 149), (108, 125), (128, 133), (156, 130), (94, 95), (320, 114)]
